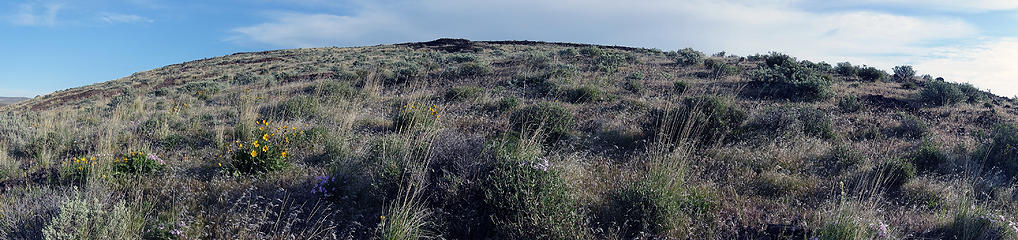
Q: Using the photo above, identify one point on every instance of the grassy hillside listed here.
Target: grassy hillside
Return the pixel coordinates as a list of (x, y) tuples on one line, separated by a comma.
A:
[(11, 100), (510, 140)]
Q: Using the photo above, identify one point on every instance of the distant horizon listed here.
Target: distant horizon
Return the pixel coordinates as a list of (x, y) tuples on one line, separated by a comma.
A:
[(61, 45)]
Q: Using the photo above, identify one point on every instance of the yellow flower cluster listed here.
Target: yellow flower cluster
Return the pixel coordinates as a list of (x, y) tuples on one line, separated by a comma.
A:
[(271, 142), (433, 108)]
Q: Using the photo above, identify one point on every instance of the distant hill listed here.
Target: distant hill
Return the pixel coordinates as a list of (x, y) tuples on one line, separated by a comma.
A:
[(462, 139), (11, 100)]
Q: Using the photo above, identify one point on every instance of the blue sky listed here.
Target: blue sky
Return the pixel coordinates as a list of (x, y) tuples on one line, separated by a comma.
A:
[(48, 45)]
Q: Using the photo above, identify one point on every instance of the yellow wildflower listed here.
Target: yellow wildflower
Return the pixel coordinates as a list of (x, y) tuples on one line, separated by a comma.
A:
[(284, 153), (254, 153), (220, 164), (382, 217), (287, 139), (265, 137), (261, 128), (256, 143), (265, 148)]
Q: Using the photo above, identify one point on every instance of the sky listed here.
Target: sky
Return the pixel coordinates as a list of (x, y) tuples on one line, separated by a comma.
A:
[(49, 45)]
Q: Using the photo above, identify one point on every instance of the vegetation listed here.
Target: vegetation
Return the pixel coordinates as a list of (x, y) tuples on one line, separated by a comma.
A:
[(456, 139)]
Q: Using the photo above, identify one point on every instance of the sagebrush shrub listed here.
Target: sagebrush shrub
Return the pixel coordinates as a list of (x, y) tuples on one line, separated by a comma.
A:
[(928, 157), (850, 104), (639, 210), (415, 117), (787, 79), (333, 91), (894, 173), (689, 57), (941, 93), (871, 74), (1000, 149), (903, 73), (136, 163), (527, 199), (846, 69), (718, 68), (786, 119), (473, 69), (88, 217), (299, 107), (910, 126), (550, 120), (585, 94)]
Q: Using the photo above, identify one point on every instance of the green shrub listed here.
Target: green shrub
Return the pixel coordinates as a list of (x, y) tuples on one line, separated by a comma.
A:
[(462, 58), (846, 69), (871, 74), (808, 121), (136, 163), (548, 119), (508, 103), (526, 199), (774, 184), (473, 69), (641, 209), (203, 88), (1000, 149), (463, 93), (972, 94), (266, 153), (941, 93), (903, 73), (847, 225), (633, 83), (787, 79), (841, 158), (911, 126), (689, 57), (680, 87), (400, 73), (584, 94), (928, 157), (703, 119), (87, 217), (850, 104)]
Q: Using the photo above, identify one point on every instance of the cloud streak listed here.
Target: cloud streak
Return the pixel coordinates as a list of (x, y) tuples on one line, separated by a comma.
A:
[(29, 14), (123, 18)]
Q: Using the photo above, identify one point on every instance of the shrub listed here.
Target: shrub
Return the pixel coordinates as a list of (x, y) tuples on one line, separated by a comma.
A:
[(841, 158), (550, 120), (136, 163), (641, 210), (680, 87), (463, 93), (704, 119), (928, 157), (400, 73), (86, 217), (775, 184), (808, 121), (526, 199), (414, 117), (79, 170), (787, 79), (473, 69), (846, 69), (903, 73), (633, 83), (972, 94), (265, 154), (871, 74), (689, 57), (941, 93), (203, 89), (1000, 149), (584, 94), (508, 103), (850, 104), (910, 126)]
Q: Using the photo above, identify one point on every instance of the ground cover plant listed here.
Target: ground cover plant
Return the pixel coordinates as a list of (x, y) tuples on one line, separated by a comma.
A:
[(456, 139)]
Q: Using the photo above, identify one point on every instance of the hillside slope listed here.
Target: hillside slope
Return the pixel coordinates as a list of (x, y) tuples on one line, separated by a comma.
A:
[(11, 100), (511, 140)]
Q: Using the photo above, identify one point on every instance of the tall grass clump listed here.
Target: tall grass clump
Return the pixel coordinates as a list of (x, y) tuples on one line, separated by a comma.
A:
[(299, 107), (526, 198), (793, 120), (702, 119), (415, 116), (8, 167), (1000, 149), (463, 93)]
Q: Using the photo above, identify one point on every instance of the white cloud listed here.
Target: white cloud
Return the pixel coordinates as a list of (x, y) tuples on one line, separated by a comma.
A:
[(736, 26), (939, 5), (123, 18), (990, 65), (36, 15)]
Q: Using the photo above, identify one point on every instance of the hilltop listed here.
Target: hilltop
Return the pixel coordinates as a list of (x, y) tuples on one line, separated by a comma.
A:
[(511, 140)]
